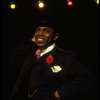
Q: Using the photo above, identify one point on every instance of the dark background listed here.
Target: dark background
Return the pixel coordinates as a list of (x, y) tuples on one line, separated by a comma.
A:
[(79, 32)]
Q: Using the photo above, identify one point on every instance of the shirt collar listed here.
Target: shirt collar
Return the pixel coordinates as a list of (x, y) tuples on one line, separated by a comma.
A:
[(48, 49)]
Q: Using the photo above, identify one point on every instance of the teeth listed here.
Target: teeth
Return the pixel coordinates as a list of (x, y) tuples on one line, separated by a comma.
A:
[(40, 40)]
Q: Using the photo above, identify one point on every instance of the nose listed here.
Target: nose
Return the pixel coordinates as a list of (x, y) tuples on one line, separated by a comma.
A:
[(41, 32)]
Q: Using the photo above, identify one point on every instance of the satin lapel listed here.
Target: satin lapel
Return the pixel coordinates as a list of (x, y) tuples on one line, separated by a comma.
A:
[(43, 58)]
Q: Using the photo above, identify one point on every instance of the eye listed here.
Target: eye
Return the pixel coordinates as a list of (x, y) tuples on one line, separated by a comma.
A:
[(48, 30), (37, 30)]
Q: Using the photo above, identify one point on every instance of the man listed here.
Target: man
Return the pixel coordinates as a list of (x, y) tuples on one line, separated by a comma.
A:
[(50, 73)]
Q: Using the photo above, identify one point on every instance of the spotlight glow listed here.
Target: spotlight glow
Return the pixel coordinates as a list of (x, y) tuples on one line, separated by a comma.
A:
[(40, 4), (12, 6), (69, 2), (97, 1)]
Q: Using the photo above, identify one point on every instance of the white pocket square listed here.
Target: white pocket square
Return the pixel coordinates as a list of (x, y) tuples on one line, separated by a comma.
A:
[(56, 69)]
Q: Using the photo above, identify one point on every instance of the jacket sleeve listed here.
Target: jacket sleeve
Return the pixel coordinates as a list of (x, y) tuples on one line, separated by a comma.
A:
[(81, 82), (22, 50)]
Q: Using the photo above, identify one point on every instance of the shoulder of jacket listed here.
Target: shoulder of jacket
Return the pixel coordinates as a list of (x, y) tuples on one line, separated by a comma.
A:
[(67, 52)]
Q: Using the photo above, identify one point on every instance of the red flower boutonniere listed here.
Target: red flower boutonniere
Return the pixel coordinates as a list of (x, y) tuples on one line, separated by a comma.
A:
[(49, 59)]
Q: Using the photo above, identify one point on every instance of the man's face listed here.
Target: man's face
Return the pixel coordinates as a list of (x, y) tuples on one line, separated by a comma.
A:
[(43, 36)]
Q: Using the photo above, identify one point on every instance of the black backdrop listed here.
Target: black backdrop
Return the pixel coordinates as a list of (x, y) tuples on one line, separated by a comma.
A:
[(79, 32)]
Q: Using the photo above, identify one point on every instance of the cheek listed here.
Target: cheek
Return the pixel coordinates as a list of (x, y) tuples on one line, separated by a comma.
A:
[(35, 33), (50, 38)]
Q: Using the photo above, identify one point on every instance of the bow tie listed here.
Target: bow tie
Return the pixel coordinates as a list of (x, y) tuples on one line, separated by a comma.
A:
[(38, 52)]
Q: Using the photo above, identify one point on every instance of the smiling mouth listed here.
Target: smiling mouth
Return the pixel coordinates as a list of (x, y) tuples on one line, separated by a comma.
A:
[(40, 39)]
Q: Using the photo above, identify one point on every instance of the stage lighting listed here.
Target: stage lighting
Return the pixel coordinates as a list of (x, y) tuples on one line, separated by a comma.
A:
[(41, 4), (12, 5), (69, 2), (97, 1)]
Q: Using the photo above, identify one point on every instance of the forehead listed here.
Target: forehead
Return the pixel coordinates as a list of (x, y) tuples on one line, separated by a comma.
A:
[(44, 27)]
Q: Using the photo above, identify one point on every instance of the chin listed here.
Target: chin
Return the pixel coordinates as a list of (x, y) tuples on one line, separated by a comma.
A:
[(41, 45)]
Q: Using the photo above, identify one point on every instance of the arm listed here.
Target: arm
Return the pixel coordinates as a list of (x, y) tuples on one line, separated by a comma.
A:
[(25, 46), (80, 83)]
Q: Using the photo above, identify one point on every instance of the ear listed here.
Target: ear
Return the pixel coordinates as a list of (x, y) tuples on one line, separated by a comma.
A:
[(56, 36)]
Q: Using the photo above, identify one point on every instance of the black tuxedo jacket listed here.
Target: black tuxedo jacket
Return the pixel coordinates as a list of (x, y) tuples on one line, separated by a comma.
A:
[(72, 79)]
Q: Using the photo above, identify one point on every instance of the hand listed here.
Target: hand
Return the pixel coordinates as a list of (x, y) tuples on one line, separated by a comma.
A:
[(33, 39), (56, 95)]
